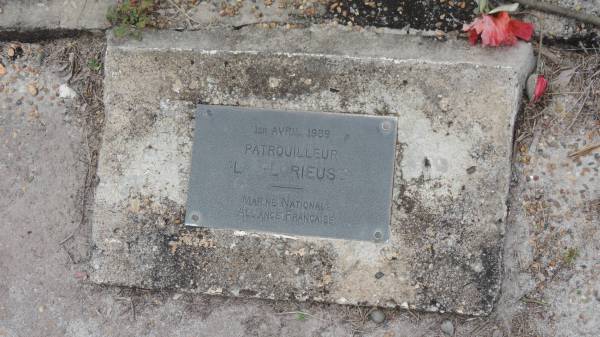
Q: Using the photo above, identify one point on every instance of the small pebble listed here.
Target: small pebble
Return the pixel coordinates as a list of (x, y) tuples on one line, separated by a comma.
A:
[(377, 316), (64, 91), (32, 89), (447, 328)]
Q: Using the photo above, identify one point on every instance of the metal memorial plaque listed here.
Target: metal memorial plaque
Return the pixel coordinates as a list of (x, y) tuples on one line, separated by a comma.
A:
[(299, 173)]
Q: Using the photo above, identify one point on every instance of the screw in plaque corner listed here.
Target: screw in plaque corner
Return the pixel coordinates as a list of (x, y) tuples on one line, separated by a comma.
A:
[(385, 127)]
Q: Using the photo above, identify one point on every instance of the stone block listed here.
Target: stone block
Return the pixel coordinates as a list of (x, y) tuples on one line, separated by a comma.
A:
[(455, 107)]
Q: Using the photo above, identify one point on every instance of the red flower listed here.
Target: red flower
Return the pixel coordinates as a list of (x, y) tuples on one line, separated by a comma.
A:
[(498, 30), (540, 88)]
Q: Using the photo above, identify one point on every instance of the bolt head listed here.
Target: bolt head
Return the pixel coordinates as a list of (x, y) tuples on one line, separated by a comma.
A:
[(385, 127)]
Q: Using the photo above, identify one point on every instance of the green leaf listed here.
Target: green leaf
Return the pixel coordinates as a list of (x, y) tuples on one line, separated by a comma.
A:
[(94, 64), (300, 316), (571, 255), (505, 8), (482, 6), (121, 31), (111, 14), (128, 17)]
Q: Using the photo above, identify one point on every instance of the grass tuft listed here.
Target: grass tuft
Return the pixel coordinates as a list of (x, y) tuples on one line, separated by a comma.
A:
[(129, 17), (570, 256)]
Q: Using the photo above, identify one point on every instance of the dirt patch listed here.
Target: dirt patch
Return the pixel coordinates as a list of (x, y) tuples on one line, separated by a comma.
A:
[(422, 15), (553, 190), (79, 61)]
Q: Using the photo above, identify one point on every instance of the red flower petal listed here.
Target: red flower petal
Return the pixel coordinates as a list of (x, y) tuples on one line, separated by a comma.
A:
[(477, 25), (540, 88), (473, 36), (498, 30), (522, 30)]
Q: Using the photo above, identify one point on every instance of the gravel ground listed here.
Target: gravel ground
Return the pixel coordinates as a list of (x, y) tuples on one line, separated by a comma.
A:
[(47, 149)]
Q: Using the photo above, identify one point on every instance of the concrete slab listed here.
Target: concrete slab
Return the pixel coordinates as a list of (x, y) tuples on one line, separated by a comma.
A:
[(16, 15), (455, 107)]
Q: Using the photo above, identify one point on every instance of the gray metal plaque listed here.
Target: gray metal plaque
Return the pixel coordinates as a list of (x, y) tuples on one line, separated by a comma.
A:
[(288, 172)]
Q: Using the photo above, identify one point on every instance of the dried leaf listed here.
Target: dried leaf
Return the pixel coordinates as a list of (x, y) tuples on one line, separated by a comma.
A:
[(505, 8), (565, 76)]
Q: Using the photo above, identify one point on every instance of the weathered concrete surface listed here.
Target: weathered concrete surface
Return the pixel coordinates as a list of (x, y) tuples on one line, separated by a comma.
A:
[(44, 247), (29, 15), (556, 207), (42, 169), (560, 27), (455, 105)]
